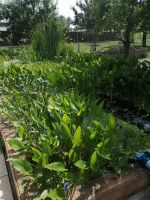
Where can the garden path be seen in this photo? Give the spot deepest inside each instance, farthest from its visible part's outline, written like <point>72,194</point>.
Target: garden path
<point>5,189</point>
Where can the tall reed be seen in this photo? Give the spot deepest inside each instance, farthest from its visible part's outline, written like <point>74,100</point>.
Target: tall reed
<point>47,39</point>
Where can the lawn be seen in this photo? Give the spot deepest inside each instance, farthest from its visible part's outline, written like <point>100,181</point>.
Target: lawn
<point>101,46</point>
<point>85,46</point>
<point>138,39</point>
<point>105,45</point>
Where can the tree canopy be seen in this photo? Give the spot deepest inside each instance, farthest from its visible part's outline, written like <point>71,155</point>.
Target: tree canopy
<point>23,15</point>
<point>123,17</point>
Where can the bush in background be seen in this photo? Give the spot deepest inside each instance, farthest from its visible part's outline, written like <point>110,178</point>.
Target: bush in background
<point>47,39</point>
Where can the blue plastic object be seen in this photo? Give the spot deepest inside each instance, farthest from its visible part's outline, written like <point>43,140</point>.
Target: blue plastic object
<point>144,158</point>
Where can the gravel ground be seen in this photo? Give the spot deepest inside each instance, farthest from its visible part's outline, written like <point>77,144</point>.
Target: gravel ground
<point>143,195</point>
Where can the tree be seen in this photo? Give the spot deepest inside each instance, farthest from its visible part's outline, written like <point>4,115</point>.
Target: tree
<point>66,24</point>
<point>125,17</point>
<point>85,18</point>
<point>89,15</point>
<point>125,20</point>
<point>122,16</point>
<point>24,15</point>
<point>144,16</point>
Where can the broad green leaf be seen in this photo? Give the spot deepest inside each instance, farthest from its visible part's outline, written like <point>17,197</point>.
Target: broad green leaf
<point>43,196</point>
<point>68,176</point>
<point>66,103</point>
<point>81,164</point>
<point>16,144</point>
<point>98,125</point>
<point>73,154</point>
<point>66,119</point>
<point>93,133</point>
<point>101,154</point>
<point>37,152</point>
<point>77,139</point>
<point>37,155</point>
<point>103,143</point>
<point>46,148</point>
<point>44,159</point>
<point>112,124</point>
<point>22,166</point>
<point>66,128</point>
<point>56,166</point>
<point>81,110</point>
<point>57,194</point>
<point>75,69</point>
<point>93,160</point>
<point>21,131</point>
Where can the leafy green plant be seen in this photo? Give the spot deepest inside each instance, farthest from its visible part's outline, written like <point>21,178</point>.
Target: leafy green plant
<point>26,54</point>
<point>46,39</point>
<point>67,139</point>
<point>65,136</point>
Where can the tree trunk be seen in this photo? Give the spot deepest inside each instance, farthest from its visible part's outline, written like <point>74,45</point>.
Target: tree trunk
<point>127,41</point>
<point>126,44</point>
<point>93,43</point>
<point>144,39</point>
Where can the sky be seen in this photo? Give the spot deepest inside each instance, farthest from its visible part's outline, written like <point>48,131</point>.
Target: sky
<point>64,7</point>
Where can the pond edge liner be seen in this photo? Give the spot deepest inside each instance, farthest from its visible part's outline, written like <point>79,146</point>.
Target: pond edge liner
<point>11,176</point>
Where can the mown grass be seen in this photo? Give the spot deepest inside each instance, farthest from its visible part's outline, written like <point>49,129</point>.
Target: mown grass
<point>105,45</point>
<point>101,46</point>
<point>86,46</point>
<point>138,39</point>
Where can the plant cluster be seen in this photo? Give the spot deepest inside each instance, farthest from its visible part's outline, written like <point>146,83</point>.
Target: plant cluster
<point>46,39</point>
<point>67,138</point>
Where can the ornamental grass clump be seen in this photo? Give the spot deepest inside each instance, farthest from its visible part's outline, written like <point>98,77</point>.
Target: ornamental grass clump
<point>47,39</point>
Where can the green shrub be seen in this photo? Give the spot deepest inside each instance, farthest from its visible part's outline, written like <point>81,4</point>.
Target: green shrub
<point>46,39</point>
<point>26,54</point>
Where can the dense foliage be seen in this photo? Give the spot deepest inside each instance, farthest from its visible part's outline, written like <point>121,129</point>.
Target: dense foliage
<point>22,16</point>
<point>47,39</point>
<point>122,17</point>
<point>66,137</point>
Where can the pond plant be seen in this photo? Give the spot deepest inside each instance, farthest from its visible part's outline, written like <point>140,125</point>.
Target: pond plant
<point>66,136</point>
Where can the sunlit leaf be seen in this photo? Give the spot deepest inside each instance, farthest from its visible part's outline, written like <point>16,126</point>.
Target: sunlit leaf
<point>22,166</point>
<point>93,160</point>
<point>16,144</point>
<point>112,124</point>
<point>56,166</point>
<point>77,139</point>
<point>81,164</point>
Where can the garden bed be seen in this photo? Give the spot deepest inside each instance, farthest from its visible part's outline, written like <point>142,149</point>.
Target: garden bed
<point>19,193</point>
<point>111,186</point>
<point>115,187</point>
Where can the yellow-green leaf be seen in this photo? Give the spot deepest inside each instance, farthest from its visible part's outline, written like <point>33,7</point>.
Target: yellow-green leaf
<point>77,139</point>
<point>56,166</point>
<point>93,160</point>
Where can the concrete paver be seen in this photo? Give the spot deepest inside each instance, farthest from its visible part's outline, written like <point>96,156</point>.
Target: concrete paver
<point>5,189</point>
<point>1,157</point>
<point>3,170</point>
